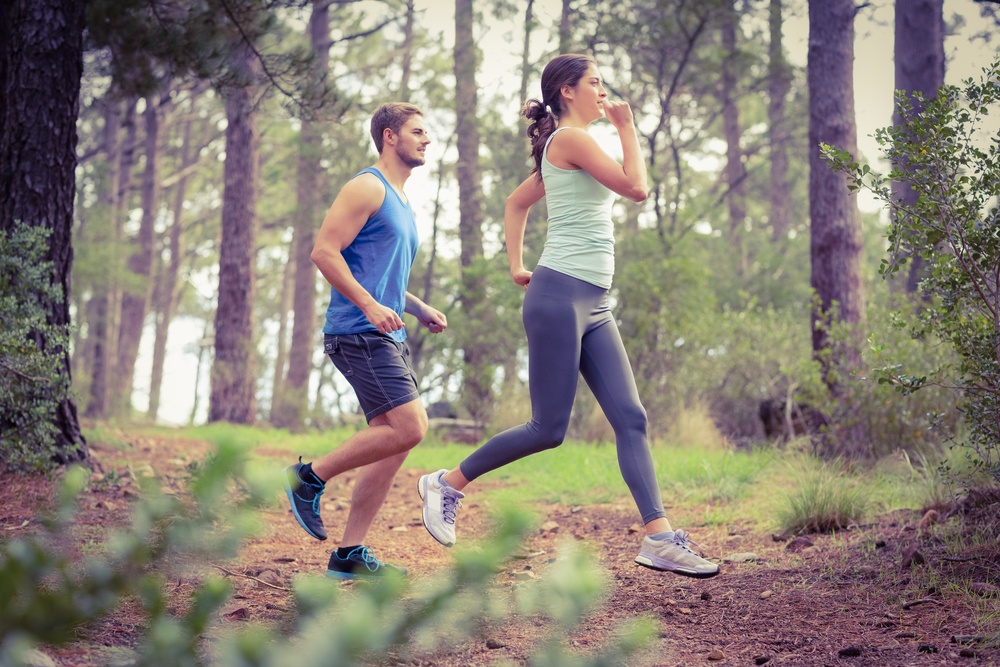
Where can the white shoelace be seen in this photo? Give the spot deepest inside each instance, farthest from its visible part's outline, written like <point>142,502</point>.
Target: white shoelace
<point>449,505</point>
<point>682,540</point>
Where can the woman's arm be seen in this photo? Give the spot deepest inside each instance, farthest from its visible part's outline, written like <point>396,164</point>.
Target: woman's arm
<point>515,218</point>
<point>580,150</point>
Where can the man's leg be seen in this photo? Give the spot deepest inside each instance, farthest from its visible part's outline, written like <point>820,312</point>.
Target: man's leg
<point>388,435</point>
<point>353,558</point>
<point>370,491</point>
<point>379,370</point>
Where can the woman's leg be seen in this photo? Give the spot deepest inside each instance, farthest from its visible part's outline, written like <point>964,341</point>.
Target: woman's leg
<point>606,369</point>
<point>553,325</point>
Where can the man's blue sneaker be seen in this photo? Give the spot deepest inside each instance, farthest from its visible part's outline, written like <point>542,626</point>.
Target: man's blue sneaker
<point>304,497</point>
<point>360,563</point>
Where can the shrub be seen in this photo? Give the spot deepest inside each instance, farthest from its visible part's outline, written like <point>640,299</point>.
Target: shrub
<point>950,157</point>
<point>32,382</point>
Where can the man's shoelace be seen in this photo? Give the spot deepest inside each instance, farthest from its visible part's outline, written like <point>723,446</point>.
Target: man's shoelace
<point>367,557</point>
<point>316,501</point>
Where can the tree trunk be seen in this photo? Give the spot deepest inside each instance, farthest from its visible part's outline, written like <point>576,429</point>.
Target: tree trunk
<point>281,342</point>
<point>203,346</point>
<point>778,83</point>
<point>529,26</point>
<point>835,242</point>
<point>565,28</point>
<point>418,338</point>
<point>407,64</point>
<point>102,232</point>
<point>477,392</point>
<point>41,62</point>
<point>166,305</point>
<point>233,378</point>
<point>735,171</point>
<point>920,63</point>
<point>137,290</point>
<point>294,398</point>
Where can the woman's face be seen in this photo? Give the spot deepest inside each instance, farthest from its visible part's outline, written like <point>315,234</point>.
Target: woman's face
<point>589,94</point>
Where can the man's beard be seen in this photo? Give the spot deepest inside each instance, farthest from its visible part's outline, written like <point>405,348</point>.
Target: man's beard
<point>411,160</point>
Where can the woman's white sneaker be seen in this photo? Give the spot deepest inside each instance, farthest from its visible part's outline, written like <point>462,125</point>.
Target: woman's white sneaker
<point>441,502</point>
<point>674,555</point>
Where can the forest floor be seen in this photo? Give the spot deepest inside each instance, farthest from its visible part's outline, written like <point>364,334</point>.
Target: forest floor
<point>885,594</point>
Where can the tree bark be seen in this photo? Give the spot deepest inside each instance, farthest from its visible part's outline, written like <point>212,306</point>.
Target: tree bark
<point>778,85</point>
<point>41,62</point>
<point>920,63</point>
<point>232,396</point>
<point>138,288</point>
<point>529,26</point>
<point>166,305</point>
<point>407,55</point>
<point>735,172</point>
<point>477,392</point>
<point>294,398</point>
<point>281,343</point>
<point>100,311</point>
<point>835,241</point>
<point>565,28</point>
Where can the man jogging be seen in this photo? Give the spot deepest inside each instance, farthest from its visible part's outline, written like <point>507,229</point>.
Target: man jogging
<point>365,249</point>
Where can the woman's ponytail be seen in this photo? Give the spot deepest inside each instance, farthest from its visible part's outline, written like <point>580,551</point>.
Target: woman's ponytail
<point>542,123</point>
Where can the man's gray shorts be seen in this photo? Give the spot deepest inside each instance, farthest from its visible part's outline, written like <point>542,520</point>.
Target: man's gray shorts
<point>377,367</point>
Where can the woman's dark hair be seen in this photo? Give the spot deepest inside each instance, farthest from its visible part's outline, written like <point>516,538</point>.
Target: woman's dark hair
<point>564,70</point>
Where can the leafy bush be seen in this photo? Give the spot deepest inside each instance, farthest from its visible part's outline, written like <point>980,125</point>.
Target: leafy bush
<point>32,382</point>
<point>950,157</point>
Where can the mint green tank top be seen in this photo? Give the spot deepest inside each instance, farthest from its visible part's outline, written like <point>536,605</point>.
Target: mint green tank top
<point>581,237</point>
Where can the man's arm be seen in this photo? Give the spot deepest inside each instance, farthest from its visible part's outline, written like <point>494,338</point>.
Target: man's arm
<point>433,319</point>
<point>358,200</point>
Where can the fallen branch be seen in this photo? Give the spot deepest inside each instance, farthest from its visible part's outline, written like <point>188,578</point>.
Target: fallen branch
<point>914,603</point>
<point>247,576</point>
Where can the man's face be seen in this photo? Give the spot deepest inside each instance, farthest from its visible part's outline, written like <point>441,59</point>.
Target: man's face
<point>412,142</point>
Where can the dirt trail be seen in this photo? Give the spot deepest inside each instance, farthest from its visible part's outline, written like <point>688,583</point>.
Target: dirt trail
<point>844,600</point>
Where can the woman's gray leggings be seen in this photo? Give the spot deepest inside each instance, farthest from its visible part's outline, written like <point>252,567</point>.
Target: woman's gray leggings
<point>570,332</point>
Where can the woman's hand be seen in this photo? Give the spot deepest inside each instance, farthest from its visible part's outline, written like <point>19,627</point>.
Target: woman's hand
<point>619,113</point>
<point>522,277</point>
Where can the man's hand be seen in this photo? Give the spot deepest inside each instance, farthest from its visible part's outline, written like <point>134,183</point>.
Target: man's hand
<point>385,320</point>
<point>433,319</point>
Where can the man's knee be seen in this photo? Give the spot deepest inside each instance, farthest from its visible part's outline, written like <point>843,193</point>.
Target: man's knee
<point>413,433</point>
<point>410,425</point>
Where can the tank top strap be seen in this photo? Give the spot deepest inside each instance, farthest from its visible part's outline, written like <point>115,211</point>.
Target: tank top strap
<point>388,188</point>
<point>545,151</point>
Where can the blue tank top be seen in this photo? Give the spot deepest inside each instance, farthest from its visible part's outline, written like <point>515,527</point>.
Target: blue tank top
<point>379,258</point>
<point>581,235</point>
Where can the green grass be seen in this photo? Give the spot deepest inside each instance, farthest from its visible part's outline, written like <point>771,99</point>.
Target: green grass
<point>829,496</point>
<point>710,485</point>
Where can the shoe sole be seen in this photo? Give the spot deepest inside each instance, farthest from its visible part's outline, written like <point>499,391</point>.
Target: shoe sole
<point>423,513</point>
<point>295,512</point>
<point>667,566</point>
<point>350,576</point>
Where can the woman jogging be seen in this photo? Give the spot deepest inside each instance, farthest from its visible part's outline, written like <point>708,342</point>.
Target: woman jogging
<point>567,319</point>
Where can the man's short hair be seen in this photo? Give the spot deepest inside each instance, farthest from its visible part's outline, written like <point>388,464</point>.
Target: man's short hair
<point>392,115</point>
